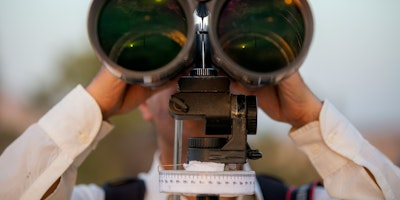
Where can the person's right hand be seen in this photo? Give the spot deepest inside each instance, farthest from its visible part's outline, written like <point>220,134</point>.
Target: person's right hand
<point>114,96</point>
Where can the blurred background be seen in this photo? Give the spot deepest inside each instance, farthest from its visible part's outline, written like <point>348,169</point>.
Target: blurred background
<point>354,62</point>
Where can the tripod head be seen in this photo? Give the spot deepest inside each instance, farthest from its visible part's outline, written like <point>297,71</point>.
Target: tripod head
<point>232,116</point>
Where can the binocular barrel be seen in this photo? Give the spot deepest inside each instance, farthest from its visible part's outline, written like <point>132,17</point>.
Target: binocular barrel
<point>148,42</point>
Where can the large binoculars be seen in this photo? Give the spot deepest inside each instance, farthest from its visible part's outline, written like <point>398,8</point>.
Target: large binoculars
<point>148,42</point>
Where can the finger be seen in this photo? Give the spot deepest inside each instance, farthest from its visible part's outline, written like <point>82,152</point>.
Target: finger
<point>133,97</point>
<point>106,89</point>
<point>136,95</point>
<point>269,101</point>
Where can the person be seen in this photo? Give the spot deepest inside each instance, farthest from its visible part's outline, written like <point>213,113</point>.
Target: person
<point>42,163</point>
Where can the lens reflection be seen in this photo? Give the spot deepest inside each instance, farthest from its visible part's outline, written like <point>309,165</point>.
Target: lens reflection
<point>142,35</point>
<point>259,35</point>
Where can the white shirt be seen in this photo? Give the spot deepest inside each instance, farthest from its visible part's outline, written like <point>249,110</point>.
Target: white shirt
<point>60,141</point>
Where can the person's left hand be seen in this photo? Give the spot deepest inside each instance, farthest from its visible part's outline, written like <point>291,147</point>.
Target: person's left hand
<point>290,101</point>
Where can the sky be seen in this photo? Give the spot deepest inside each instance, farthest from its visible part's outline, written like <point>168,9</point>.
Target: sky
<point>353,61</point>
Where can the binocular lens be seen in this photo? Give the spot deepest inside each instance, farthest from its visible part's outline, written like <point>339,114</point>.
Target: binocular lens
<point>141,35</point>
<point>261,36</point>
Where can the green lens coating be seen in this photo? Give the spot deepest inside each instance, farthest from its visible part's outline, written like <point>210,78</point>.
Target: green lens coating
<point>142,35</point>
<point>261,35</point>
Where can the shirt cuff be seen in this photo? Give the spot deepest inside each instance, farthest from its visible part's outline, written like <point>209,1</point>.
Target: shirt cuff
<point>334,130</point>
<point>338,133</point>
<point>337,151</point>
<point>332,133</point>
<point>75,123</point>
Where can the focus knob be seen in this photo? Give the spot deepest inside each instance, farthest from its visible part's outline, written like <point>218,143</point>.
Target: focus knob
<point>251,102</point>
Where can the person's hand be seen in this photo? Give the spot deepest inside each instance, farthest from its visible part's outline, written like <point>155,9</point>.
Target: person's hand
<point>290,101</point>
<point>114,96</point>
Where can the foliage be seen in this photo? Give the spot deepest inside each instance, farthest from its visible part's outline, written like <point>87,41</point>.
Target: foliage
<point>75,67</point>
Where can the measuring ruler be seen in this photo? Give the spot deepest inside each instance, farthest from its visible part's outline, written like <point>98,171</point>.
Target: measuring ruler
<point>209,182</point>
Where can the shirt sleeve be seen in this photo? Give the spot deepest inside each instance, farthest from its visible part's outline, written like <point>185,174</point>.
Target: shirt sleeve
<point>345,160</point>
<point>52,149</point>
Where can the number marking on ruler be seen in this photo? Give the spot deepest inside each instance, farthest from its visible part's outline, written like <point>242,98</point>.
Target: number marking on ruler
<point>194,182</point>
